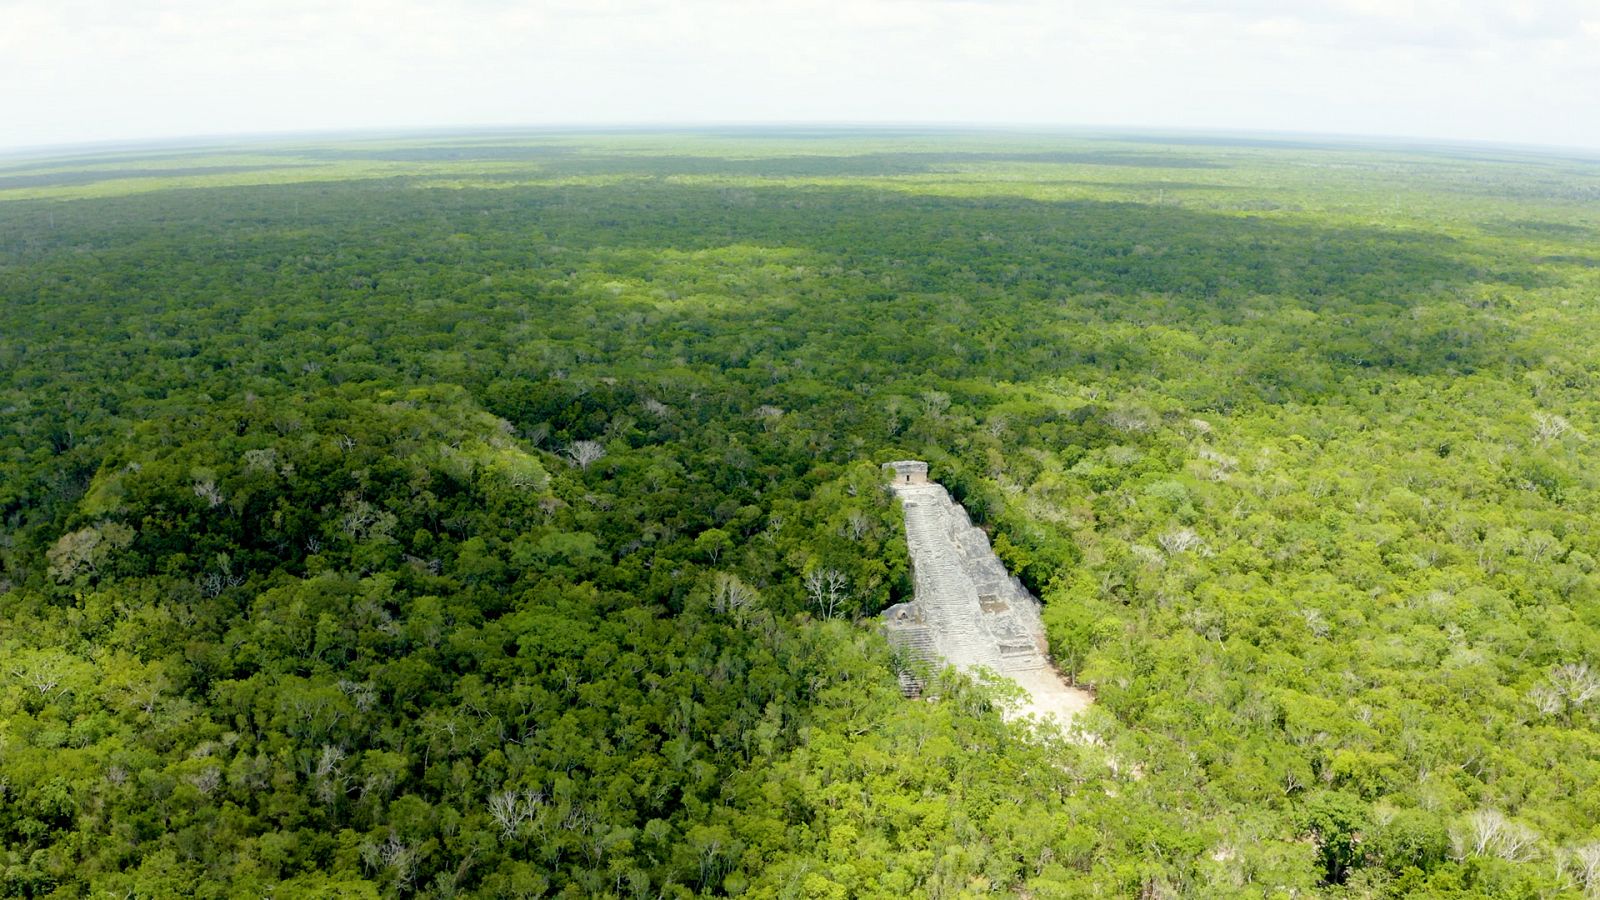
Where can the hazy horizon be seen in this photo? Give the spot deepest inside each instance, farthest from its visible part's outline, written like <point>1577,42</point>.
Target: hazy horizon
<point>90,71</point>
<point>184,143</point>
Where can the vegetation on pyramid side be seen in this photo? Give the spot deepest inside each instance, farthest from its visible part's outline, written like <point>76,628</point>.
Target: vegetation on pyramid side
<point>503,517</point>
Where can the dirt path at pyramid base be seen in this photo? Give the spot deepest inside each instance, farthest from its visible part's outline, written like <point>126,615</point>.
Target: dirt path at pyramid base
<point>1049,697</point>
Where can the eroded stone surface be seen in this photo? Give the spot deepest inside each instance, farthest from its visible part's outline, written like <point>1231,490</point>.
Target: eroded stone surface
<point>969,611</point>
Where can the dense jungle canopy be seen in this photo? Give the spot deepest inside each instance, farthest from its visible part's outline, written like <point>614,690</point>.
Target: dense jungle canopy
<point>433,516</point>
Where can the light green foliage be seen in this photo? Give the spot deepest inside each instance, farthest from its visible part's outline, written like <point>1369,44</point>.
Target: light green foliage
<point>502,517</point>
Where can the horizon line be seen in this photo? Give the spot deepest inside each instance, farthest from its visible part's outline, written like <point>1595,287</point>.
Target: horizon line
<point>199,141</point>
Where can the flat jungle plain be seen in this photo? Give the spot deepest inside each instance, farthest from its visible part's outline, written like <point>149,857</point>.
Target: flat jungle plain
<point>500,515</point>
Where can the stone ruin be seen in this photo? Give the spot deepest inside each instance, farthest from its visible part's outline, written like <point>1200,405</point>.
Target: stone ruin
<point>968,611</point>
<point>907,471</point>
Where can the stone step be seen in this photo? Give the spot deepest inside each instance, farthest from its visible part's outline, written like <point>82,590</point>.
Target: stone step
<point>911,686</point>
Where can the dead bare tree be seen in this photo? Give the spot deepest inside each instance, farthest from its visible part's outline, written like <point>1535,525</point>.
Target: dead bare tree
<point>1566,690</point>
<point>827,589</point>
<point>329,775</point>
<point>85,550</point>
<point>510,809</point>
<point>206,489</point>
<point>1179,540</point>
<point>43,672</point>
<point>395,856</point>
<point>1488,832</point>
<point>585,453</point>
<point>731,595</point>
<point>1576,682</point>
<point>1583,865</point>
<point>1548,427</point>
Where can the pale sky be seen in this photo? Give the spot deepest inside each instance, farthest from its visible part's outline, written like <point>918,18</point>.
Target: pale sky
<point>1517,71</point>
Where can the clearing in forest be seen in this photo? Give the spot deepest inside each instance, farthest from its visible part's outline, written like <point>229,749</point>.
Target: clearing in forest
<point>969,612</point>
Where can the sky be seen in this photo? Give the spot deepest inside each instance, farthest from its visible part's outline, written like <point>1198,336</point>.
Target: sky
<point>1506,71</point>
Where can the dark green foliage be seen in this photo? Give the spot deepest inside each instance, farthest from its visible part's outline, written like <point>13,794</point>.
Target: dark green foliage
<point>1336,822</point>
